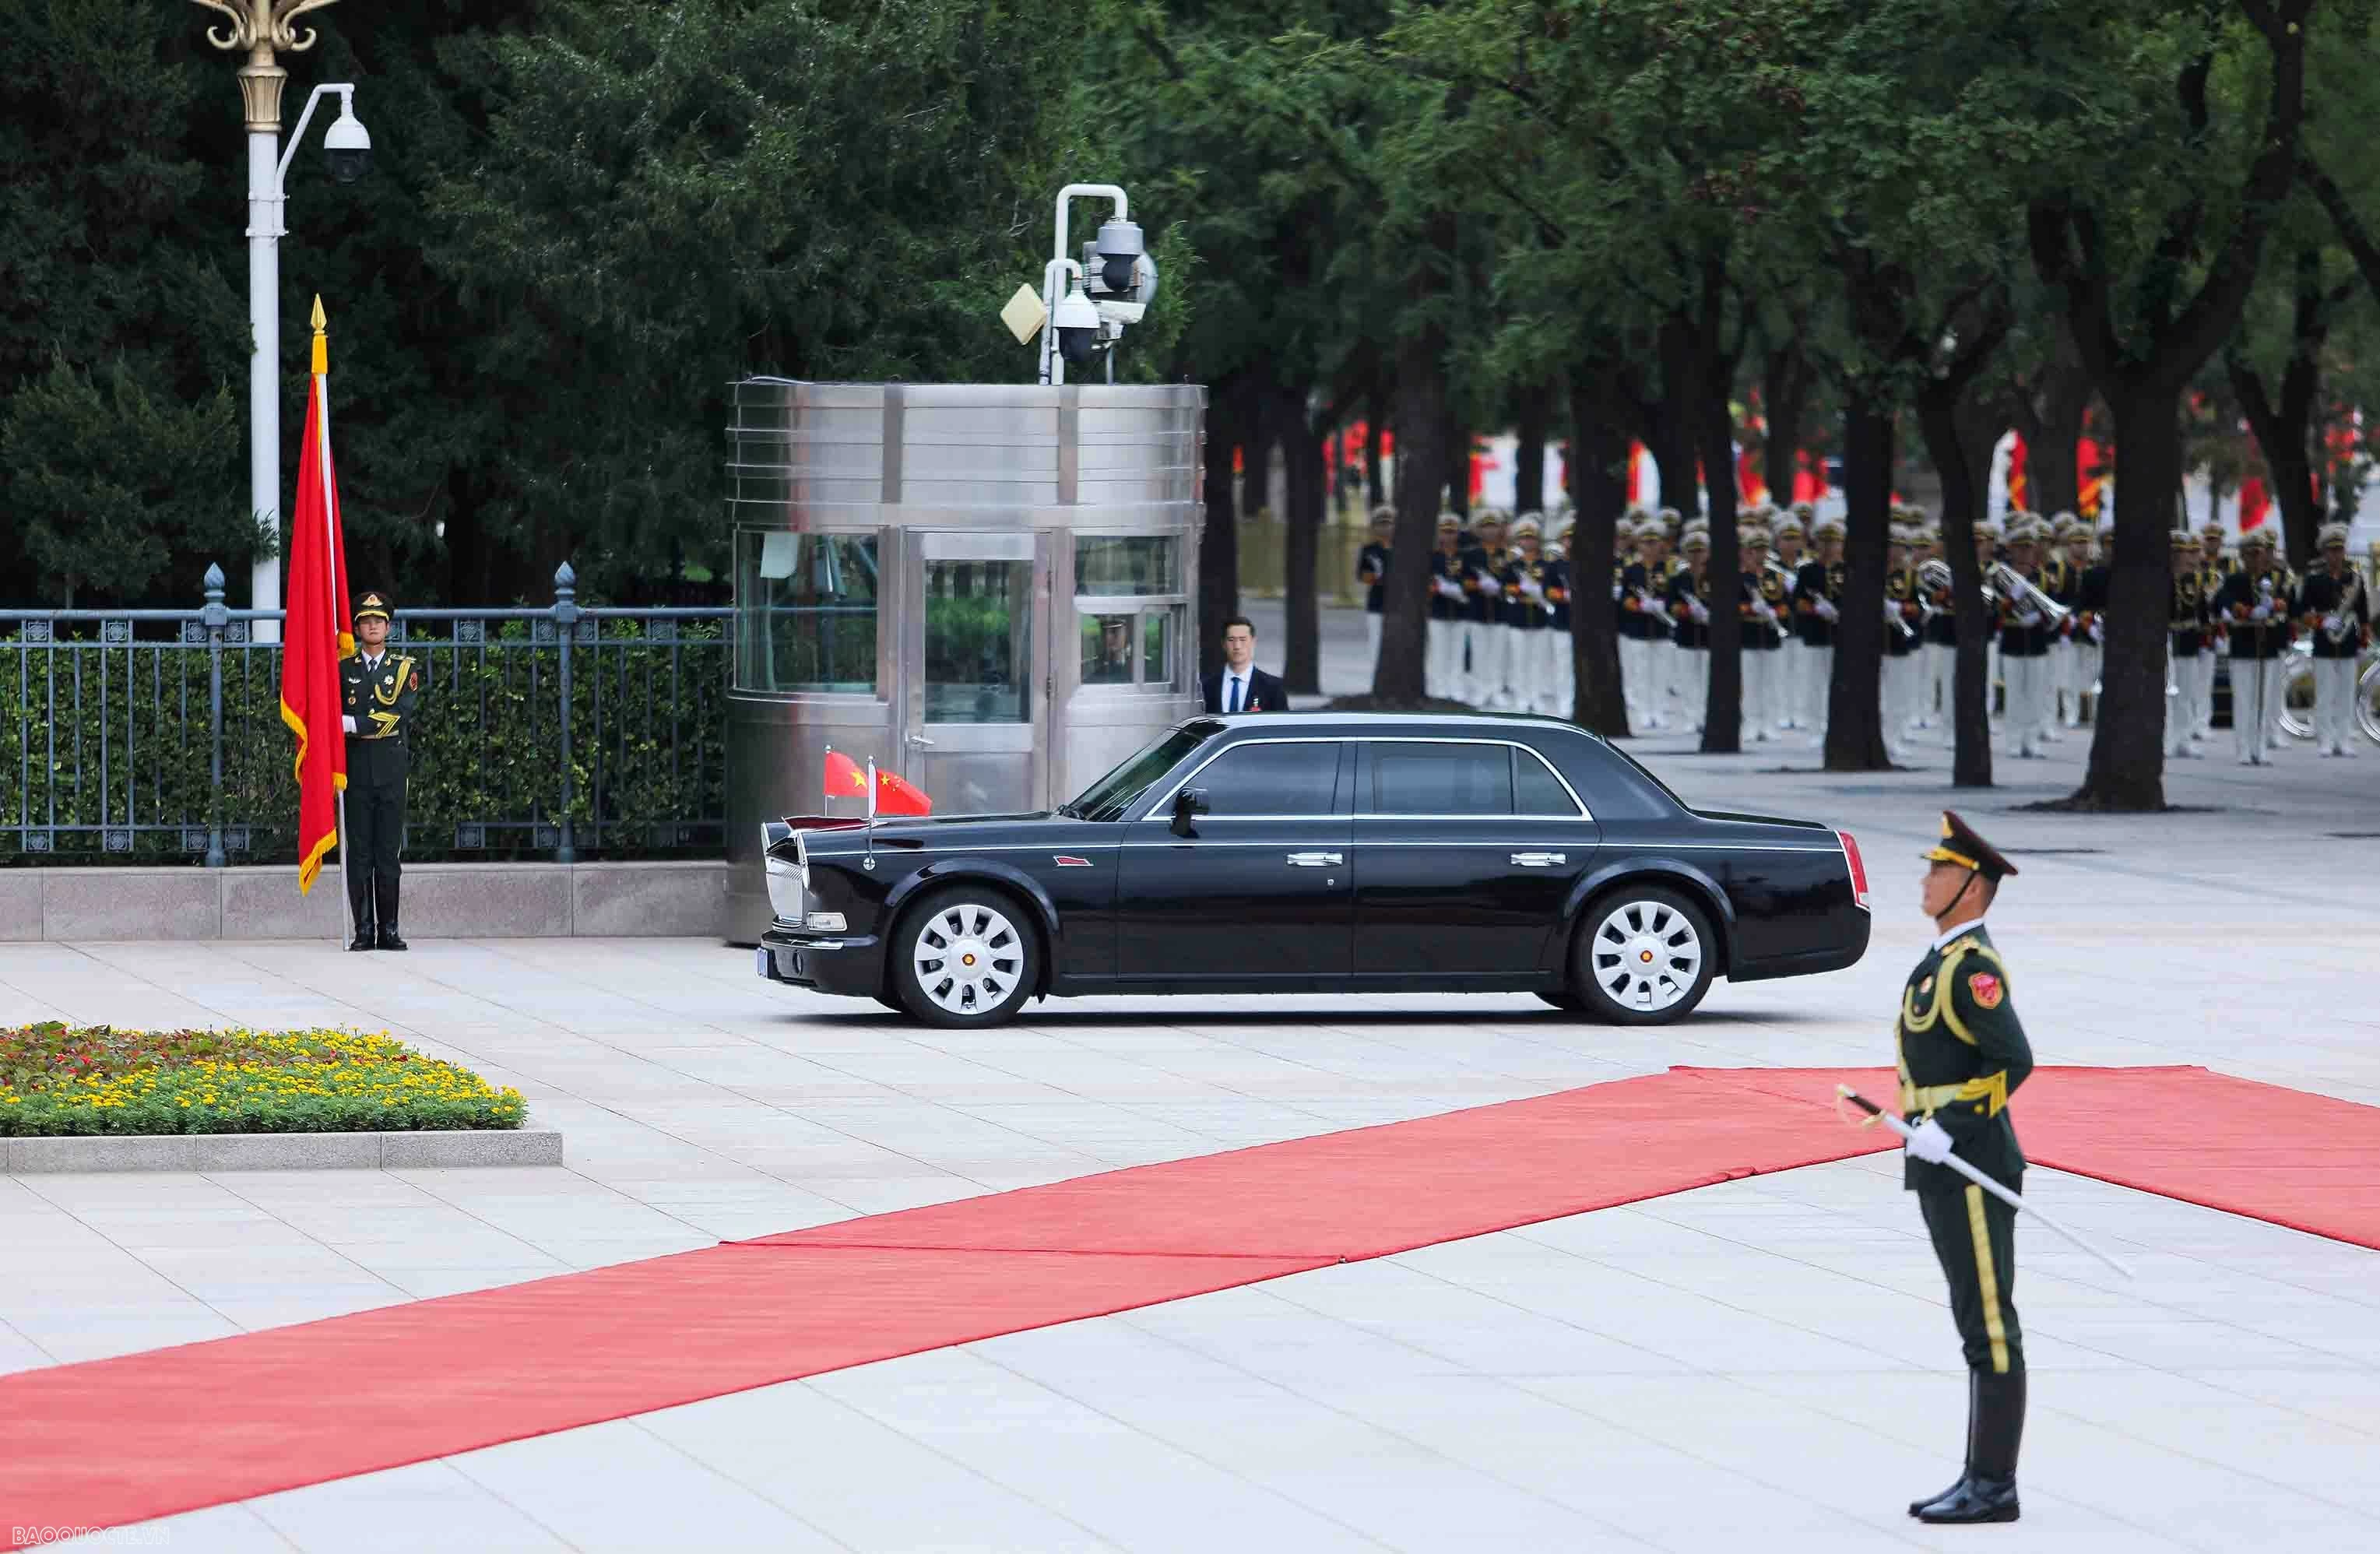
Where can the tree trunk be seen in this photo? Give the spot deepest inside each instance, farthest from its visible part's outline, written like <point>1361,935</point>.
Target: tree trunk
<point>2050,416</point>
<point>1785,397</point>
<point>1599,446</point>
<point>1308,495</point>
<point>1669,432</point>
<point>2127,770</point>
<point>1219,540</point>
<point>1421,420</point>
<point>1712,375</point>
<point>1855,700</point>
<point>1458,467</point>
<point>1535,409</point>
<point>2284,426</point>
<point>1966,473</point>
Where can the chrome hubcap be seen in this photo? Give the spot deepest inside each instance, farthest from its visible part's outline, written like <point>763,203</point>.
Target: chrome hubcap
<point>968,957</point>
<point>1645,955</point>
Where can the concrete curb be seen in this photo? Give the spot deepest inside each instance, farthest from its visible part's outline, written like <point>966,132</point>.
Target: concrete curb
<point>283,1151</point>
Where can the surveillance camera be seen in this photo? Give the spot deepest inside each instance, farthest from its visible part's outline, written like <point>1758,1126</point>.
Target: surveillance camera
<point>1077,324</point>
<point>1120,250</point>
<point>346,146</point>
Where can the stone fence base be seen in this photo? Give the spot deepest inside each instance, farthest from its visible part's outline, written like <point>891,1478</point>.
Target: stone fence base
<point>441,900</point>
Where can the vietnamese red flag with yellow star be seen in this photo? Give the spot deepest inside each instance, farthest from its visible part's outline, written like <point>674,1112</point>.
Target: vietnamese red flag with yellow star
<point>315,632</point>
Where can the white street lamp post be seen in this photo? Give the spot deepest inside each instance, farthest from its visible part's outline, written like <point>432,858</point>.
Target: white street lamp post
<point>262,29</point>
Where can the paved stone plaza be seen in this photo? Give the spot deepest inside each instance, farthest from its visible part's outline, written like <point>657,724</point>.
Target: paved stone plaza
<point>1766,1363</point>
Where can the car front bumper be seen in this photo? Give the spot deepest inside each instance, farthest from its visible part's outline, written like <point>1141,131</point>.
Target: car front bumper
<point>848,963</point>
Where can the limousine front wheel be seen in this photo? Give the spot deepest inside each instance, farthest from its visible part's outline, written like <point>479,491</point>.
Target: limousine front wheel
<point>1645,957</point>
<point>964,957</point>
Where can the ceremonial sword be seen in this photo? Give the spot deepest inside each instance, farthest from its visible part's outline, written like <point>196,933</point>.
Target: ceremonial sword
<point>1977,1177</point>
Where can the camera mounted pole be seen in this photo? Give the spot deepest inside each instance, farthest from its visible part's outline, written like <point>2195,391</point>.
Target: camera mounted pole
<point>1053,363</point>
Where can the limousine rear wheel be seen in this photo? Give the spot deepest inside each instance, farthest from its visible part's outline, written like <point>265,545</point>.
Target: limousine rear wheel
<point>965,957</point>
<point>1645,956</point>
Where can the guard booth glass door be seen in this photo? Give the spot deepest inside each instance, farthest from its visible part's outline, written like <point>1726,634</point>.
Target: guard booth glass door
<point>974,711</point>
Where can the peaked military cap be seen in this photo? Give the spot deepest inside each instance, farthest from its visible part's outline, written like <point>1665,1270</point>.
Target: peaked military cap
<point>371,604</point>
<point>1960,846</point>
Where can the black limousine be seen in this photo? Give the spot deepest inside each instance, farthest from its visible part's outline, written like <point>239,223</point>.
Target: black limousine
<point>1326,852</point>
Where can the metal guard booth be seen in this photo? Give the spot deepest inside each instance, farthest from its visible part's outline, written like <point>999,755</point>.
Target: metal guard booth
<point>987,588</point>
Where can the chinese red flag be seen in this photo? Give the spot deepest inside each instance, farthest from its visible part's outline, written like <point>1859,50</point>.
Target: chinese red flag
<point>896,797</point>
<point>844,778</point>
<point>315,634</point>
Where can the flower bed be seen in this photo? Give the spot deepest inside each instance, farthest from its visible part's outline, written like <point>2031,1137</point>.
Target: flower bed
<point>83,1080</point>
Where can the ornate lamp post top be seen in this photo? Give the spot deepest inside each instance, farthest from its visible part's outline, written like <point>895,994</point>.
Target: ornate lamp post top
<point>262,27</point>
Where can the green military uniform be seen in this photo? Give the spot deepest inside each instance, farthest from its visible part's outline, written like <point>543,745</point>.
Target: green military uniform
<point>377,698</point>
<point>1961,1053</point>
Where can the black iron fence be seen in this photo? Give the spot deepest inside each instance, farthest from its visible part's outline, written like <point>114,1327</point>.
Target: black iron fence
<point>562,732</point>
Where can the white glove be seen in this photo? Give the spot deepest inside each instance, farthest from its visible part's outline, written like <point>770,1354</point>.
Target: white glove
<point>1701,612</point>
<point>1930,1142</point>
<point>1615,593</point>
<point>2028,618</point>
<point>1533,590</point>
<point>2261,612</point>
<point>1767,612</point>
<point>349,721</point>
<point>1826,611</point>
<point>2331,623</point>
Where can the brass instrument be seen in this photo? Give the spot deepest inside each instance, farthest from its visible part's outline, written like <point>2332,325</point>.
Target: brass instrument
<point>2022,592</point>
<point>1935,577</point>
<point>2349,593</point>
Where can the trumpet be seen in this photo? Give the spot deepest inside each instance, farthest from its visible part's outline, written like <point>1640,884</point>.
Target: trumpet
<point>1934,577</point>
<point>2021,591</point>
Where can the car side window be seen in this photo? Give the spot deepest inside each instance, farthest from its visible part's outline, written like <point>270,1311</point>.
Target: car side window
<point>1412,778</point>
<point>1292,778</point>
<point>1537,791</point>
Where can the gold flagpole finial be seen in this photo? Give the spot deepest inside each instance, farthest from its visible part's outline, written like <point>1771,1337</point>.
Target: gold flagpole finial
<point>321,340</point>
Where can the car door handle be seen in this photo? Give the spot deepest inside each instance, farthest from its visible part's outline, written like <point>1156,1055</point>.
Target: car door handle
<point>921,741</point>
<point>1539,860</point>
<point>1316,860</point>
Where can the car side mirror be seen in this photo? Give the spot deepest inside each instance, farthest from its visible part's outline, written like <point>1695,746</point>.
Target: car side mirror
<point>1189,804</point>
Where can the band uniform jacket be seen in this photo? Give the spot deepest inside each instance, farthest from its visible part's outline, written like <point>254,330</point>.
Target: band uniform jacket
<point>2021,641</point>
<point>1520,611</point>
<point>2211,577</point>
<point>1900,587</point>
<point>1558,592</point>
<point>1483,586</point>
<point>1763,586</point>
<point>2186,614</point>
<point>380,703</point>
<point>1815,581</point>
<point>1372,571</point>
<point>1961,1053</point>
<point>1449,567</point>
<point>2242,592</point>
<point>1685,586</point>
<point>1942,623</point>
<point>2319,595</point>
<point>1638,619</point>
<point>2090,600</point>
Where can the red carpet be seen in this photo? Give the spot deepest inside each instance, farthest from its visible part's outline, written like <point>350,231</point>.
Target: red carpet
<point>120,1441</point>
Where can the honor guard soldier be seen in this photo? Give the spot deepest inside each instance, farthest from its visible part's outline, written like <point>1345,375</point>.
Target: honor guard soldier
<point>1962,1054</point>
<point>2186,607</point>
<point>1764,596</point>
<point>2214,566</point>
<point>2091,611</point>
<point>2254,605</point>
<point>1643,623</point>
<point>378,692</point>
<point>1903,663</point>
<point>1690,607</point>
<point>1372,574</point>
<point>1448,606</point>
<point>2061,580</point>
<point>1940,698</point>
<point>2334,608</point>
<point>1526,613</point>
<point>1804,691</point>
<point>1483,624</point>
<point>2024,645</point>
<point>1818,606</point>
<point>1564,695</point>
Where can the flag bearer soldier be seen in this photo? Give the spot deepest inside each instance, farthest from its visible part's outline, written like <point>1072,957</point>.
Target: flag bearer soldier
<point>1962,1054</point>
<point>1643,623</point>
<point>2061,580</point>
<point>2214,566</point>
<point>1803,706</point>
<point>1372,574</point>
<point>1564,695</point>
<point>2255,603</point>
<point>2186,628</point>
<point>1690,607</point>
<point>2334,608</point>
<point>1448,608</point>
<point>378,692</point>
<point>2025,648</point>
<point>1903,661</point>
<point>1818,606</point>
<point>1763,599</point>
<point>1483,624</point>
<point>1528,612</point>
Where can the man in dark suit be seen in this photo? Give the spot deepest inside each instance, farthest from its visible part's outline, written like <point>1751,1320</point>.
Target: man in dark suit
<point>1240,686</point>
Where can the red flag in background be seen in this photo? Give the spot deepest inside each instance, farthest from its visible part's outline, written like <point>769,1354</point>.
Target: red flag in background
<point>315,634</point>
<point>896,797</point>
<point>843,779</point>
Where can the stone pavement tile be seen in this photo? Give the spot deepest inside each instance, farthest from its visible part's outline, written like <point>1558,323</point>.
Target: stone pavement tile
<point>876,1490</point>
<point>220,1529</point>
<point>2188,1415</point>
<point>1468,1330</point>
<point>1124,1484</point>
<point>98,1331</point>
<point>2347,1398</point>
<point>429,1283</point>
<point>402,1511</point>
<point>19,1352</point>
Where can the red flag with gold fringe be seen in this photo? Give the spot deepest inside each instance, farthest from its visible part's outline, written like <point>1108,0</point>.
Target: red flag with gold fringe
<point>315,632</point>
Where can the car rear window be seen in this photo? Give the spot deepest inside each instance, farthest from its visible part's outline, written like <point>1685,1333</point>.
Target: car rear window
<point>1412,778</point>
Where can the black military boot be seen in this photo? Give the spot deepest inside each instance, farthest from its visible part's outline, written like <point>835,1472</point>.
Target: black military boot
<point>1920,1503</point>
<point>365,939</point>
<point>1988,1492</point>
<point>388,938</point>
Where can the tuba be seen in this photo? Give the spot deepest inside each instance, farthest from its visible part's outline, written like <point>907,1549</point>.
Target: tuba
<point>2021,591</point>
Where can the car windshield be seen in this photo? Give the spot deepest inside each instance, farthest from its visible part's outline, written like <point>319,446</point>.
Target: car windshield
<point>1108,799</point>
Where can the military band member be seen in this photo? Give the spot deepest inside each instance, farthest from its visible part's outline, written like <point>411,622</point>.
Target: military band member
<point>1448,606</point>
<point>2335,610</point>
<point>2214,566</point>
<point>2254,605</point>
<point>1802,691</point>
<point>377,693</point>
<point>1903,656</point>
<point>1817,606</point>
<point>2186,614</point>
<point>1690,607</point>
<point>1483,624</point>
<point>2024,646</point>
<point>1643,623</point>
<point>1939,697</point>
<point>1561,650</point>
<point>1763,601</point>
<point>2061,580</point>
<point>2091,611</point>
<point>1526,613</point>
<point>1372,574</point>
<point>1962,1054</point>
